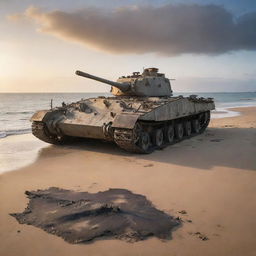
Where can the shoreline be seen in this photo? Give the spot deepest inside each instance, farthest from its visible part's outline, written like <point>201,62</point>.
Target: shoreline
<point>18,151</point>
<point>210,176</point>
<point>226,112</point>
<point>26,155</point>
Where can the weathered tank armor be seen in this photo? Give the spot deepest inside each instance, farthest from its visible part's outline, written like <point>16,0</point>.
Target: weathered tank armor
<point>141,117</point>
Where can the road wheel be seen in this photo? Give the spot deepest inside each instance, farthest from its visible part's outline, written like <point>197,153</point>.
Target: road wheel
<point>196,126</point>
<point>169,134</point>
<point>158,138</point>
<point>179,131</point>
<point>188,128</point>
<point>144,142</point>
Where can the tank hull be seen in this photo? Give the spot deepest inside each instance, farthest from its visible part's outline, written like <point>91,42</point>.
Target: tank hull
<point>107,118</point>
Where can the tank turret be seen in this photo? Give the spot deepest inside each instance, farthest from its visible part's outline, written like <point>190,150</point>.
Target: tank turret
<point>148,84</point>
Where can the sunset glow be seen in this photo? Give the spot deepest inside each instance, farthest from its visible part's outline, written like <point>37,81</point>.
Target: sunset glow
<point>42,45</point>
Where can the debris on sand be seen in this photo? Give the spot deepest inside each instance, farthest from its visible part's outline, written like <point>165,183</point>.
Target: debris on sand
<point>148,165</point>
<point>200,236</point>
<point>79,217</point>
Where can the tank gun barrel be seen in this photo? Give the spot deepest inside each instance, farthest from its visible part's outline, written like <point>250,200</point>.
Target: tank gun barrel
<point>121,86</point>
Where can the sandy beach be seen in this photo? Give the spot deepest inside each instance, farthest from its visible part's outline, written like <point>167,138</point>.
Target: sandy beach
<point>211,176</point>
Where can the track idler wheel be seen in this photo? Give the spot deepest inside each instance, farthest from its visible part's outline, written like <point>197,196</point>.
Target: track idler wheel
<point>39,130</point>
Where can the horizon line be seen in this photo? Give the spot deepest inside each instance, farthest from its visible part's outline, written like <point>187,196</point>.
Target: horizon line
<point>110,92</point>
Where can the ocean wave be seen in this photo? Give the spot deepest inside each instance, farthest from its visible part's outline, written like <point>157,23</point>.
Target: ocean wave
<point>223,113</point>
<point>247,99</point>
<point>4,134</point>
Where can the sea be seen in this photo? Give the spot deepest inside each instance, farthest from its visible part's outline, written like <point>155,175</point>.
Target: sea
<point>16,109</point>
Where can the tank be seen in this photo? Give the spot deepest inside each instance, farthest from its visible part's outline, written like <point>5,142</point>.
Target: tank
<point>140,117</point>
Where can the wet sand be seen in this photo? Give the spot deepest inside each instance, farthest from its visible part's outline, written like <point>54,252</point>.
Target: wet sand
<point>209,180</point>
<point>17,151</point>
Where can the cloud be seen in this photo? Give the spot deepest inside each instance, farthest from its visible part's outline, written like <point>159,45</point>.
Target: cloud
<point>166,30</point>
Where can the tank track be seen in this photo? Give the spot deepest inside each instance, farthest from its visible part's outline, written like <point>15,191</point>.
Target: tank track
<point>126,139</point>
<point>40,131</point>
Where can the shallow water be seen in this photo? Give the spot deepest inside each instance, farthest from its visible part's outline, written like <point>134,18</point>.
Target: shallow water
<point>19,151</point>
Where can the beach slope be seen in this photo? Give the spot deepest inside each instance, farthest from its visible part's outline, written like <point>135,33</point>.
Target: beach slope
<point>208,181</point>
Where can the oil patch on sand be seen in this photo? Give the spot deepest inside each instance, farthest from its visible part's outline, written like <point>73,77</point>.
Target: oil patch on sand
<point>80,217</point>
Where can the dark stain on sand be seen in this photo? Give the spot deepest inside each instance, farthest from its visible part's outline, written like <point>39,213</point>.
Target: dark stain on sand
<point>148,165</point>
<point>81,217</point>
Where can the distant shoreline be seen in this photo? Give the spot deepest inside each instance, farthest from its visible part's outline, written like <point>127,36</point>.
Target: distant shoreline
<point>176,92</point>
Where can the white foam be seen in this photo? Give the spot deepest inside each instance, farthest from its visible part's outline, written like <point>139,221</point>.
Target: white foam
<point>224,110</point>
<point>19,151</point>
<point>223,113</point>
<point>4,134</point>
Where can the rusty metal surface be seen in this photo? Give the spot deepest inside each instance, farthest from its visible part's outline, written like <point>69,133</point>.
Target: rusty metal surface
<point>39,115</point>
<point>125,120</point>
<point>144,98</point>
<point>87,118</point>
<point>177,109</point>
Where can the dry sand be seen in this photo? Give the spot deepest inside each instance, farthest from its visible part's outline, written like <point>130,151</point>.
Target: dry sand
<point>211,177</point>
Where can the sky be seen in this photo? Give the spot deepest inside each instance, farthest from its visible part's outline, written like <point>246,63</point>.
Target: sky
<point>206,45</point>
